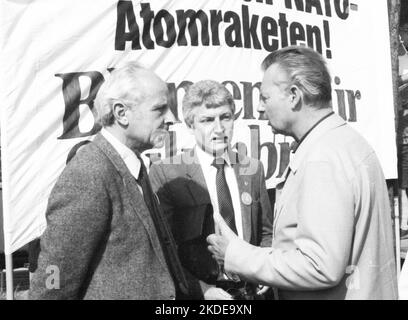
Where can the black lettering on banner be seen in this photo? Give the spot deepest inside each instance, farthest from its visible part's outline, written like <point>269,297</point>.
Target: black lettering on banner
<point>327,38</point>
<point>297,33</point>
<point>269,28</point>
<point>236,94</point>
<point>315,7</point>
<point>249,28</point>
<point>72,98</point>
<point>147,15</point>
<point>283,25</point>
<point>192,16</point>
<point>314,4</point>
<point>241,148</point>
<point>298,3</point>
<point>352,96</point>
<point>314,38</point>
<point>327,8</point>
<point>261,1</point>
<point>126,15</point>
<point>72,93</point>
<point>342,11</point>
<point>233,32</point>
<point>248,90</point>
<point>172,98</point>
<point>242,29</point>
<point>216,19</point>
<point>168,19</point>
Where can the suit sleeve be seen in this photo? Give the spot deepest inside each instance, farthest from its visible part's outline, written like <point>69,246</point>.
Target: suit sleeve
<point>325,212</point>
<point>266,211</point>
<point>78,217</point>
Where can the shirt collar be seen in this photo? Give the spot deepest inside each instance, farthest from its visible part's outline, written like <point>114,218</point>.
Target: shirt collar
<point>128,156</point>
<point>328,123</point>
<point>207,159</point>
<point>297,144</point>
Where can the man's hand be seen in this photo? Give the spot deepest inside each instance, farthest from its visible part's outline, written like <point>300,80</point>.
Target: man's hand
<point>223,229</point>
<point>218,246</point>
<point>217,294</point>
<point>218,243</point>
<point>261,290</point>
<point>213,293</point>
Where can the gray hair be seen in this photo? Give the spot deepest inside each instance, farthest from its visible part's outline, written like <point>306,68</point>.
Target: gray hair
<point>121,87</point>
<point>210,93</point>
<point>307,70</point>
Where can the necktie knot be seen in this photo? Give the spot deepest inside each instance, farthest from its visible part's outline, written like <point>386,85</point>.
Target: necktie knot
<point>218,163</point>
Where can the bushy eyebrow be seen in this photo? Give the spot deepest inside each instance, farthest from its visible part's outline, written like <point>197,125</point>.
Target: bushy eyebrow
<point>160,106</point>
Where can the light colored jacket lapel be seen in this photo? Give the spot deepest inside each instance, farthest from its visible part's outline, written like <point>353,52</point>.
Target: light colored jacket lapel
<point>284,187</point>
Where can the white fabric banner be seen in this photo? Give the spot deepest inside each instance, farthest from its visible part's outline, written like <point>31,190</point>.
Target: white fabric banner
<point>56,54</point>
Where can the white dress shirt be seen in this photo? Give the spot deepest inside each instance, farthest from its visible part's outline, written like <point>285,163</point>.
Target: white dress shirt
<point>210,173</point>
<point>128,156</point>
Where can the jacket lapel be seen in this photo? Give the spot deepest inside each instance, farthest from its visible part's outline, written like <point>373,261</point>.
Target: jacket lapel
<point>282,191</point>
<point>201,194</point>
<point>133,193</point>
<point>244,187</point>
<point>196,184</point>
<point>286,187</point>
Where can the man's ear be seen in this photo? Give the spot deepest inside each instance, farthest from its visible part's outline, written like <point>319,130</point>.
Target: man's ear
<point>119,112</point>
<point>296,97</point>
<point>190,127</point>
<point>190,124</point>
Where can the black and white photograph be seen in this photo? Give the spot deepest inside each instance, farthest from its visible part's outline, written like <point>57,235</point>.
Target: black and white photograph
<point>212,150</point>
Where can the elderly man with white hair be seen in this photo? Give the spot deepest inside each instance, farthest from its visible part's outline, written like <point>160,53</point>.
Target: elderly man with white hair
<point>106,237</point>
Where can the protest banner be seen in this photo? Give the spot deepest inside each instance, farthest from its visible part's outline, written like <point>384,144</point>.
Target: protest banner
<point>55,55</point>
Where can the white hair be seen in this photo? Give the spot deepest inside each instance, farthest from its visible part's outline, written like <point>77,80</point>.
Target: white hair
<point>124,85</point>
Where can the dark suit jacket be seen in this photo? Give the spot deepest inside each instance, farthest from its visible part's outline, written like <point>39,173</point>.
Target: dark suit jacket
<point>182,190</point>
<point>99,234</point>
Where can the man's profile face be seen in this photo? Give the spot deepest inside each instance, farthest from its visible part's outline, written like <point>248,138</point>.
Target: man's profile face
<point>213,128</point>
<point>275,99</point>
<point>149,116</point>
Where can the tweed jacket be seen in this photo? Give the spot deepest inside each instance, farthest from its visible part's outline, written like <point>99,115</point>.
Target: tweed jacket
<point>182,190</point>
<point>100,236</point>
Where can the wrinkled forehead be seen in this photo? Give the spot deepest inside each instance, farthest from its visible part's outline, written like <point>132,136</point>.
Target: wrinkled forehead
<point>212,111</point>
<point>149,87</point>
<point>151,84</point>
<point>275,75</point>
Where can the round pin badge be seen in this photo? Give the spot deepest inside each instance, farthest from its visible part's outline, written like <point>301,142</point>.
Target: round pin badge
<point>246,198</point>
